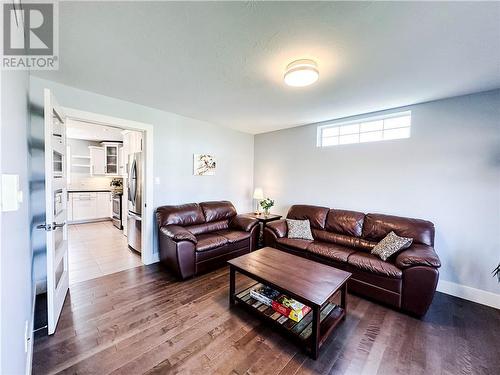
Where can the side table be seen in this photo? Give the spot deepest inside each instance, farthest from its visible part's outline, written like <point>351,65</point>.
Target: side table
<point>263,220</point>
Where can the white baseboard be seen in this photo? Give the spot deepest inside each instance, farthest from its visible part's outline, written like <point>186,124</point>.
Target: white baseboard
<point>472,294</point>
<point>155,258</point>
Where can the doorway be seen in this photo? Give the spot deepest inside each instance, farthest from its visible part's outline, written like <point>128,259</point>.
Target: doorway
<point>103,192</point>
<point>88,228</point>
<point>148,255</point>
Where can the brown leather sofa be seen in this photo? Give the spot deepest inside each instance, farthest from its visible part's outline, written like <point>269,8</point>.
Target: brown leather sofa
<point>344,239</point>
<point>195,238</point>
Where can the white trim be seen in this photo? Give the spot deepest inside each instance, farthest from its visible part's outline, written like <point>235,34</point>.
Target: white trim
<point>31,327</point>
<point>357,120</point>
<point>148,255</point>
<point>156,258</point>
<point>472,294</point>
<point>363,118</point>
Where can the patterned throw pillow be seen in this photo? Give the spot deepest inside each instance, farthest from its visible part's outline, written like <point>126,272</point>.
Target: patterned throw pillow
<point>299,229</point>
<point>390,245</point>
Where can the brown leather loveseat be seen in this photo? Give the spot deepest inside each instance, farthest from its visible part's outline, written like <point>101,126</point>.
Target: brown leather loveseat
<point>195,238</point>
<point>344,240</point>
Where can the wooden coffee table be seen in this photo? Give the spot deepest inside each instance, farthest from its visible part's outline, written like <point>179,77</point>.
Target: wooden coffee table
<point>311,283</point>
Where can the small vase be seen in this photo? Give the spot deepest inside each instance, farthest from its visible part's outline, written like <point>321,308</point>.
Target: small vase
<point>266,211</point>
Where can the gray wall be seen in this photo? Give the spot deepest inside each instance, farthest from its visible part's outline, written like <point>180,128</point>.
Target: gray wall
<point>447,172</point>
<point>176,139</point>
<point>15,254</point>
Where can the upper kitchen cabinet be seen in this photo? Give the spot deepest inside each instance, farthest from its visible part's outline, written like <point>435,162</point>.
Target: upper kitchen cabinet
<point>132,140</point>
<point>97,157</point>
<point>105,160</point>
<point>111,157</point>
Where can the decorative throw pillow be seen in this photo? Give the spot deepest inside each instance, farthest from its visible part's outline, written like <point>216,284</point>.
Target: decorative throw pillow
<point>390,245</point>
<point>299,229</point>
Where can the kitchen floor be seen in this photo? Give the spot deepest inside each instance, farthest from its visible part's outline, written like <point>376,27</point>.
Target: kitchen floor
<point>98,249</point>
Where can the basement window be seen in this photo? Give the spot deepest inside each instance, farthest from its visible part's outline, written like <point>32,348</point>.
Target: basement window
<point>370,129</point>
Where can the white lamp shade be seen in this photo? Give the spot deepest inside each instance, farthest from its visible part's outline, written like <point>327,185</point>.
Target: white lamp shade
<point>258,194</point>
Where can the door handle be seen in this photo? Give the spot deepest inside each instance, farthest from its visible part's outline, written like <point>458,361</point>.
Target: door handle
<point>46,227</point>
<point>55,225</point>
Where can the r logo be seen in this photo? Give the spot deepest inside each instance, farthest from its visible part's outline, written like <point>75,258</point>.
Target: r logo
<point>28,30</point>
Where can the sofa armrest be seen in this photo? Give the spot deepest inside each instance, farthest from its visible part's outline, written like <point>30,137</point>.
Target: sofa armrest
<point>244,223</point>
<point>418,255</point>
<point>278,227</point>
<point>177,233</point>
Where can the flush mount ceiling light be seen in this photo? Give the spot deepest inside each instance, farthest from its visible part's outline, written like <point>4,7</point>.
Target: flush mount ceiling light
<point>301,73</point>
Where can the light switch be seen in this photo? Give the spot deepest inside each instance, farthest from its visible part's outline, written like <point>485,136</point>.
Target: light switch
<point>11,196</point>
<point>157,180</point>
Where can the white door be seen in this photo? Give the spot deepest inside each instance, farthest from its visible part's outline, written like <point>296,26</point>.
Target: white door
<point>56,204</point>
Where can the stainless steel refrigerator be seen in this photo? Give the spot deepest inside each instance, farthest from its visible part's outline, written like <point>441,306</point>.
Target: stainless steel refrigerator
<point>135,190</point>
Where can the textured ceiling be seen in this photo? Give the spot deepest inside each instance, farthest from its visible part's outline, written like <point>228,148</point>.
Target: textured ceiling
<point>223,62</point>
<point>92,132</point>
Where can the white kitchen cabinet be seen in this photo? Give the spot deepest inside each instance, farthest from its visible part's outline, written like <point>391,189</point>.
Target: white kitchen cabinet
<point>104,205</point>
<point>133,141</point>
<point>97,165</point>
<point>84,206</point>
<point>69,208</point>
<point>110,158</point>
<point>89,206</point>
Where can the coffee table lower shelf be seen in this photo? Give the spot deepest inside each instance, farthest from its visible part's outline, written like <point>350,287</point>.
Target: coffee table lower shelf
<point>301,332</point>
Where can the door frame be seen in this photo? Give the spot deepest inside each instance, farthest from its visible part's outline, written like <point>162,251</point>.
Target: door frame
<point>148,254</point>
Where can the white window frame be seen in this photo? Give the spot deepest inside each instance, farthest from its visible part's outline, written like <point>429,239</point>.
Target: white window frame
<point>359,121</point>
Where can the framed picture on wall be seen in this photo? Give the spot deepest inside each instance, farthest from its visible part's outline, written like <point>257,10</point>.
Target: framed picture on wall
<point>204,165</point>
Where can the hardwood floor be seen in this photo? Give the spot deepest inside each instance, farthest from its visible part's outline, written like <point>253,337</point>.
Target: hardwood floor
<point>142,320</point>
<point>98,249</point>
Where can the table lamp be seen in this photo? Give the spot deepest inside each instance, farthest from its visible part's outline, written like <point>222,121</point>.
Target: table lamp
<point>258,195</point>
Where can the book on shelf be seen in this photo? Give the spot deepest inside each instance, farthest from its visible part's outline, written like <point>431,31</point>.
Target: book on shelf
<point>290,308</point>
<point>301,327</point>
<point>264,294</point>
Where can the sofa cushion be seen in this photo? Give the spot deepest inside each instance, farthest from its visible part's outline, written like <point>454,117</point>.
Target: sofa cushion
<point>208,227</point>
<point>377,226</point>
<point>233,235</point>
<point>218,210</point>
<point>210,241</point>
<point>299,229</point>
<point>345,222</point>
<point>315,214</point>
<point>343,240</point>
<point>372,263</point>
<point>331,251</point>
<point>183,215</point>
<point>294,243</point>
